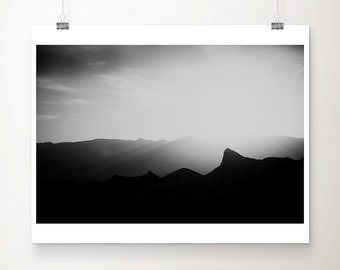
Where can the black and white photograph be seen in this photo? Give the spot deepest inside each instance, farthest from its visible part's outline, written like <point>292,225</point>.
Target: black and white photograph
<point>170,133</point>
<point>186,135</point>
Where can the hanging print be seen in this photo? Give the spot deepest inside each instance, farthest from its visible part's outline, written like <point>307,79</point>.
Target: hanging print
<point>152,134</point>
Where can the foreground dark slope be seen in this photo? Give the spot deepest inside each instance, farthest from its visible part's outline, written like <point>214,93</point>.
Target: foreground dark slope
<point>240,190</point>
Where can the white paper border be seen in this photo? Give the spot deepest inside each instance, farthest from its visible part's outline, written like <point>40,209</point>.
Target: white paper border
<point>172,233</point>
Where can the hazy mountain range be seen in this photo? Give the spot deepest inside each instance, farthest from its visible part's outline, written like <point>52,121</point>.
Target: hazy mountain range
<point>99,159</point>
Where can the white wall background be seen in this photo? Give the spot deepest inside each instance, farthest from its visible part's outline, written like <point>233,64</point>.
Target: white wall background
<point>16,251</point>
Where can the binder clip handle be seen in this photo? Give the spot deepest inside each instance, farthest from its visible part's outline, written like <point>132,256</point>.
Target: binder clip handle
<point>277,25</point>
<point>62,25</point>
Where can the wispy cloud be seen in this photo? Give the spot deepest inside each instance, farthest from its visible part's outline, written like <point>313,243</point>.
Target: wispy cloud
<point>76,101</point>
<point>47,117</point>
<point>53,85</point>
<point>50,117</point>
<point>114,79</point>
<point>99,63</point>
<point>115,82</point>
<point>69,102</point>
<point>125,78</point>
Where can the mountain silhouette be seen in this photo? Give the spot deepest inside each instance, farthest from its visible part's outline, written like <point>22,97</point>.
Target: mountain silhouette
<point>231,156</point>
<point>239,190</point>
<point>99,159</point>
<point>182,175</point>
<point>149,177</point>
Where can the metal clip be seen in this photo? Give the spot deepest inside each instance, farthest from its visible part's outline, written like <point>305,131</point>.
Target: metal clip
<point>277,25</point>
<point>62,25</point>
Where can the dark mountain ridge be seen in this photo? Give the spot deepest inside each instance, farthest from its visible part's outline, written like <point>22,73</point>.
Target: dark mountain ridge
<point>239,190</point>
<point>99,159</point>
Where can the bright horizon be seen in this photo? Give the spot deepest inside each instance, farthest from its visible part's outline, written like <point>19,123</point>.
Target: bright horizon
<point>179,138</point>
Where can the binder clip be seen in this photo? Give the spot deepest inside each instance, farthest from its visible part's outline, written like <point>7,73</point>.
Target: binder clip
<point>62,25</point>
<point>277,25</point>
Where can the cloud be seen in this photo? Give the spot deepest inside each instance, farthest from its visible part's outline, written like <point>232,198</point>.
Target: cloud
<point>115,83</point>
<point>99,63</point>
<point>125,78</point>
<point>69,102</point>
<point>114,79</point>
<point>53,85</point>
<point>63,117</point>
<point>76,101</point>
<point>47,117</point>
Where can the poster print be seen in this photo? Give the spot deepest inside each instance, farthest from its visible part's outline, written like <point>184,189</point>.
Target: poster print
<point>167,135</point>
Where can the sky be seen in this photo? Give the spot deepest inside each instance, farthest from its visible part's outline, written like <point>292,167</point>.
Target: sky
<point>168,92</point>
